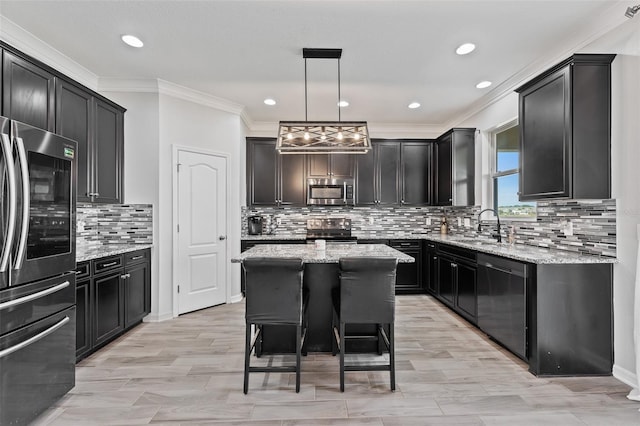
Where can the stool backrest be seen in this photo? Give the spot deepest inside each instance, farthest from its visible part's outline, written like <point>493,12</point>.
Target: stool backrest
<point>273,290</point>
<point>367,289</point>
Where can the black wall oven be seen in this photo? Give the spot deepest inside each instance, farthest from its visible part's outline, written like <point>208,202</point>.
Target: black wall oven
<point>37,260</point>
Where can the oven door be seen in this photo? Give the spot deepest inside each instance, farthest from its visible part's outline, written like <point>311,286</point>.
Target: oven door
<point>45,175</point>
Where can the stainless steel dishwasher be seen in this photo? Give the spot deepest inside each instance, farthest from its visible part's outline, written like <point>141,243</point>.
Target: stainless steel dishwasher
<point>502,313</point>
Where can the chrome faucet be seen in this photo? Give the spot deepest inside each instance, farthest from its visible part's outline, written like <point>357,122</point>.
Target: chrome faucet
<point>497,235</point>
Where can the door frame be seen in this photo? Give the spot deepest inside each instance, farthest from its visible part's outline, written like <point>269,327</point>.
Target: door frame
<point>175,150</point>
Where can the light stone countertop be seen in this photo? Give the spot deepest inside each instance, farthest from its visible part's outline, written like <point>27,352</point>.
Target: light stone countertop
<point>522,252</point>
<point>91,252</point>
<point>332,253</point>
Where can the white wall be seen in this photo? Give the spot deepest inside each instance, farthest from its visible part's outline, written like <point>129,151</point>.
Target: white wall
<point>625,151</point>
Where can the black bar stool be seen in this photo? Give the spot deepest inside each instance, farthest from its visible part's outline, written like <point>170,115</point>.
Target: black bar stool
<point>274,296</point>
<point>366,296</point>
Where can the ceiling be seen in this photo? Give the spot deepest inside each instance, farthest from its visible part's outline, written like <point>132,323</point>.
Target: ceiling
<point>394,52</point>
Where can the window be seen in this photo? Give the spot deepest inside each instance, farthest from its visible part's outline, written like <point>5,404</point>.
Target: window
<point>506,174</point>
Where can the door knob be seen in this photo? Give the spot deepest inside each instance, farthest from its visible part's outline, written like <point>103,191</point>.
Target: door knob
<point>222,237</point>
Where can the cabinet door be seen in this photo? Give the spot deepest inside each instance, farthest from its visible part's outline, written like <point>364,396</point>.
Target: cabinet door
<point>262,166</point>
<point>416,173</point>
<point>108,318</point>
<point>83,318</point>
<point>429,268</point>
<point>28,92</point>
<point>341,165</point>
<point>546,138</point>
<point>319,165</point>
<point>409,275</point>
<point>388,173</point>
<point>109,145</point>
<point>446,284</point>
<point>444,181</point>
<point>137,286</point>
<point>293,185</point>
<point>467,297</point>
<point>366,178</point>
<point>73,120</point>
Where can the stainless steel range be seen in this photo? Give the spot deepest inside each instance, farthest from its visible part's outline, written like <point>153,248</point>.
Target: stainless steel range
<point>330,229</point>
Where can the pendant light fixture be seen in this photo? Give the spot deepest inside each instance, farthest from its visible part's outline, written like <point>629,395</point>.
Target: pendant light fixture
<point>322,137</point>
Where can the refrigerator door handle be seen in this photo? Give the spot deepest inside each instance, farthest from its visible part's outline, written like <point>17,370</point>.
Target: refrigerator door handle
<point>22,242</point>
<point>34,339</point>
<point>11,201</point>
<point>33,296</point>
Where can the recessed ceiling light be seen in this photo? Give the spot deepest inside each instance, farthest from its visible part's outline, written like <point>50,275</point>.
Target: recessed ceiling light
<point>465,48</point>
<point>269,101</point>
<point>132,40</point>
<point>343,104</point>
<point>414,105</point>
<point>483,84</point>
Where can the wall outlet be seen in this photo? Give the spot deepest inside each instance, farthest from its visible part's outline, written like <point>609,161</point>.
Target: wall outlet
<point>427,221</point>
<point>567,227</point>
<point>459,221</point>
<point>278,221</point>
<point>371,220</point>
<point>467,222</point>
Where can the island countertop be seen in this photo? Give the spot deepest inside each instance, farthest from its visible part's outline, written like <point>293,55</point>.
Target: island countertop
<point>332,254</point>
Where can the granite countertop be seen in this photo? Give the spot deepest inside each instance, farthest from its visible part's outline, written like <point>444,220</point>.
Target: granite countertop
<point>522,252</point>
<point>84,253</point>
<point>332,253</point>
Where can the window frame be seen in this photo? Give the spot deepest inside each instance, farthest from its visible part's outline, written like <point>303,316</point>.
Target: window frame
<point>493,165</point>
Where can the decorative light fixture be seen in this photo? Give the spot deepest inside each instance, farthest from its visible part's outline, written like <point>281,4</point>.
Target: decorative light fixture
<point>322,137</point>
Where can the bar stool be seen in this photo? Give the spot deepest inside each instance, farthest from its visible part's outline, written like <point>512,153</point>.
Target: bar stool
<point>274,296</point>
<point>366,296</point>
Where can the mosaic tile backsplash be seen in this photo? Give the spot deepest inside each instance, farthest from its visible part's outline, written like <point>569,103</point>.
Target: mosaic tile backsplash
<point>114,224</point>
<point>593,223</point>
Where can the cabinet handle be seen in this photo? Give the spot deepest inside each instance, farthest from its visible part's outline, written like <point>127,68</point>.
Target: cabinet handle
<point>137,257</point>
<point>435,257</point>
<point>453,265</point>
<point>94,194</point>
<point>35,338</point>
<point>33,296</point>
<point>106,265</point>
<point>125,276</point>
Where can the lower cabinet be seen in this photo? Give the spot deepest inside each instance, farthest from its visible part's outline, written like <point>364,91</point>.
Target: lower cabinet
<point>113,294</point>
<point>456,272</point>
<point>408,275</point>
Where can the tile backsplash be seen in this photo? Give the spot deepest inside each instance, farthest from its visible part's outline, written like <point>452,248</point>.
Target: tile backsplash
<point>114,224</point>
<point>593,223</point>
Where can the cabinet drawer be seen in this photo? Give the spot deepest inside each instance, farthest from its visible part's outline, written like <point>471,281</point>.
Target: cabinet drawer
<point>83,270</point>
<point>136,256</point>
<point>107,264</point>
<point>403,244</point>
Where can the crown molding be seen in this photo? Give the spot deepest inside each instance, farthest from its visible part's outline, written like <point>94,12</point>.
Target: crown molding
<point>135,85</point>
<point>26,42</point>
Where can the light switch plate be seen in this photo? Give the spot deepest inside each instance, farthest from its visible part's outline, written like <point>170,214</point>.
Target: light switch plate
<point>371,220</point>
<point>428,221</point>
<point>459,221</point>
<point>467,222</point>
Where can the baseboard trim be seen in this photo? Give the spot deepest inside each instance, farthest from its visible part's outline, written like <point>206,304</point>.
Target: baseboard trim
<point>236,298</point>
<point>157,317</point>
<point>625,376</point>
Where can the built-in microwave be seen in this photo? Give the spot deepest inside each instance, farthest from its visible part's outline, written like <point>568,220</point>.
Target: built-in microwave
<point>329,192</point>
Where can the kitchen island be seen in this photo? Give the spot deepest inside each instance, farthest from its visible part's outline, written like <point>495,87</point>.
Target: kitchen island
<point>320,278</point>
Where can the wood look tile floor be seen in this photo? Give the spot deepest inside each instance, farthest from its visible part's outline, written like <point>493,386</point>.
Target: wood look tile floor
<point>189,371</point>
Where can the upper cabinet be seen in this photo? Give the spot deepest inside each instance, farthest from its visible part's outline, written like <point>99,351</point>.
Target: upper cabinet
<point>97,126</point>
<point>40,96</point>
<point>330,165</point>
<point>28,92</point>
<point>565,117</point>
<point>274,179</point>
<point>455,168</point>
<point>397,172</point>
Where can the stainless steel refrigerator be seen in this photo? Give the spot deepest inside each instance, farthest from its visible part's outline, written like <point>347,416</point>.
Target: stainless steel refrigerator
<point>37,263</point>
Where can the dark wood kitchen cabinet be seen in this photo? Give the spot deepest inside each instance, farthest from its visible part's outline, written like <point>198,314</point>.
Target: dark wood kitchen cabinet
<point>28,92</point>
<point>113,294</point>
<point>454,168</point>
<point>430,267</point>
<point>565,130</point>
<point>409,275</point>
<point>274,179</point>
<point>457,271</point>
<point>396,172</point>
<point>330,165</point>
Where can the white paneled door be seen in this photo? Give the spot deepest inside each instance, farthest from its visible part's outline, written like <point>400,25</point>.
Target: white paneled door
<point>202,230</point>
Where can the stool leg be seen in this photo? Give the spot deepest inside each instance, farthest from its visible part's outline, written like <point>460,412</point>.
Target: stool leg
<point>334,344</point>
<point>342,351</point>
<point>392,359</point>
<point>298,353</point>
<point>247,355</point>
